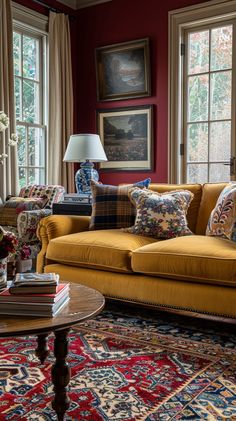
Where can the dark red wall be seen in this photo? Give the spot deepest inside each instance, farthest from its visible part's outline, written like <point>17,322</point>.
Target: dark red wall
<point>120,21</point>
<point>114,22</point>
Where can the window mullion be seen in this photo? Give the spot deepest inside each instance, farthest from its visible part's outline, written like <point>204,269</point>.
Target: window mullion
<point>209,109</point>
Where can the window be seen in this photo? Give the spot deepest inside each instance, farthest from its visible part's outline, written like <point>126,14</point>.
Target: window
<point>29,78</point>
<point>208,111</point>
<point>202,93</point>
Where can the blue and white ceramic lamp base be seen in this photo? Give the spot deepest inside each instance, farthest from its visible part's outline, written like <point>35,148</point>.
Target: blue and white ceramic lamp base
<point>83,177</point>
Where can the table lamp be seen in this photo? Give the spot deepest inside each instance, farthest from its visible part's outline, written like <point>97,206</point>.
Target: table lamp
<point>85,148</point>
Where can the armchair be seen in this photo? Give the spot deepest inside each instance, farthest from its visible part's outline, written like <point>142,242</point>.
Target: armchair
<point>22,214</point>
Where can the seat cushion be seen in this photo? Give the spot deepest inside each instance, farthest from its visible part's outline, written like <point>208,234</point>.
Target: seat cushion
<point>15,205</point>
<point>194,258</point>
<point>104,249</point>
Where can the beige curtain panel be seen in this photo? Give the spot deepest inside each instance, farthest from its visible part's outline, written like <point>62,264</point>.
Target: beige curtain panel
<point>9,169</point>
<point>60,101</point>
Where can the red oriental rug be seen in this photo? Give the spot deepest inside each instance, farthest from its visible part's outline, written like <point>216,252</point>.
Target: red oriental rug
<point>127,364</point>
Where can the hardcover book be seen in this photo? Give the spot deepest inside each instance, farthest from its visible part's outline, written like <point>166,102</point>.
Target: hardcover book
<point>61,291</point>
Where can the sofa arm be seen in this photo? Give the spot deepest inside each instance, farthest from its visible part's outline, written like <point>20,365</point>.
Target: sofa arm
<point>27,223</point>
<point>56,226</point>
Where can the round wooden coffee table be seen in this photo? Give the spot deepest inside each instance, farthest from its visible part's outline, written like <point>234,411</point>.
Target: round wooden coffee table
<point>84,304</point>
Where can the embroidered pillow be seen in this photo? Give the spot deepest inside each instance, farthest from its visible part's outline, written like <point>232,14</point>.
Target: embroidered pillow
<point>12,207</point>
<point>222,221</point>
<point>111,207</point>
<point>160,215</point>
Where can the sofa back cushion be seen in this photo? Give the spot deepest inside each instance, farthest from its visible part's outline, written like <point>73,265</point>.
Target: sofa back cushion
<point>210,194</point>
<point>193,209</point>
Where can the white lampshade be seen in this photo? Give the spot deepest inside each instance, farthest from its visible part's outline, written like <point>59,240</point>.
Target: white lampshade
<point>82,147</point>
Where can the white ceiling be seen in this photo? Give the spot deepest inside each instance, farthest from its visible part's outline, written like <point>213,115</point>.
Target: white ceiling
<point>79,4</point>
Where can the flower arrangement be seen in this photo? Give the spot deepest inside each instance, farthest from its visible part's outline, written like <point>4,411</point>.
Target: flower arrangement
<point>4,123</point>
<point>8,243</point>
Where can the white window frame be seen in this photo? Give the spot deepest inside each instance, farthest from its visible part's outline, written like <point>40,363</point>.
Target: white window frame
<point>31,23</point>
<point>214,11</point>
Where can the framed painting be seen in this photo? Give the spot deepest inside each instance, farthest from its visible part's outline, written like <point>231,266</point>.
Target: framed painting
<point>123,70</point>
<point>126,134</point>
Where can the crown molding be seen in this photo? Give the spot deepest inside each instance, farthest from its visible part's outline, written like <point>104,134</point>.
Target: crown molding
<point>80,4</point>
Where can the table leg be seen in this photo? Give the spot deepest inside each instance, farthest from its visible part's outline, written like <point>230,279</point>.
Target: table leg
<point>42,350</point>
<point>61,374</point>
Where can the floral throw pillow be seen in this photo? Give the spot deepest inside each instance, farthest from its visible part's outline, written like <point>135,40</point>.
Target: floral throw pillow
<point>222,221</point>
<point>158,215</point>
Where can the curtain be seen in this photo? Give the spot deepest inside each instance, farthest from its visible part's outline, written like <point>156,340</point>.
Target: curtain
<point>60,101</point>
<point>9,169</point>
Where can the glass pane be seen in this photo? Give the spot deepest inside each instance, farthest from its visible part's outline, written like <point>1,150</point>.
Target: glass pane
<point>30,101</point>
<point>221,95</point>
<point>198,98</point>
<point>17,53</point>
<point>221,48</point>
<point>219,172</point>
<point>30,57</point>
<point>220,141</point>
<point>36,176</point>
<point>18,93</point>
<point>36,147</point>
<point>197,141</point>
<point>197,173</point>
<point>22,177</point>
<point>21,146</point>
<point>198,52</point>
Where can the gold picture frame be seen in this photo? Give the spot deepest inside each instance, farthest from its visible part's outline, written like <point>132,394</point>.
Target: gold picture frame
<point>127,137</point>
<point>123,70</point>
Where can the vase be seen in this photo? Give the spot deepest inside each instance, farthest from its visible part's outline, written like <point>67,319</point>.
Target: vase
<point>3,273</point>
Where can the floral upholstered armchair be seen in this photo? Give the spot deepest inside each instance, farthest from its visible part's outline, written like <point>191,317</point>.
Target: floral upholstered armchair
<point>22,214</point>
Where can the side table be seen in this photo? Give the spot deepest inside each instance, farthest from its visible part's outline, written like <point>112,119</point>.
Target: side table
<point>71,208</point>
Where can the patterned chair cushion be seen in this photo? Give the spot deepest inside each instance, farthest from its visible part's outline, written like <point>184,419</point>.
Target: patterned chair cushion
<point>111,207</point>
<point>160,215</point>
<point>53,192</point>
<point>222,221</point>
<point>15,205</point>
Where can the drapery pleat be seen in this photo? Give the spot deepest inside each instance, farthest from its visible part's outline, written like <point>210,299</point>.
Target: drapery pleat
<point>60,101</point>
<point>9,170</point>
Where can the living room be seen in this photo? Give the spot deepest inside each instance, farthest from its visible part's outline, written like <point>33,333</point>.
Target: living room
<point>153,84</point>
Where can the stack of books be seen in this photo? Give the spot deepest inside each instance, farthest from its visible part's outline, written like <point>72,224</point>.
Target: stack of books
<point>33,294</point>
<point>77,198</point>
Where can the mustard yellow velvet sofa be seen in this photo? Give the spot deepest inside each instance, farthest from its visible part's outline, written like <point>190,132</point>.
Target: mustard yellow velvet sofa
<point>195,273</point>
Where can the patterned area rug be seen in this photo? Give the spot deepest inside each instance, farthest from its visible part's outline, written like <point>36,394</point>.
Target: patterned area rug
<point>127,364</point>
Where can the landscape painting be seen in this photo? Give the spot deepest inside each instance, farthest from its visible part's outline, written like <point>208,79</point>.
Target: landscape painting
<point>123,70</point>
<point>126,135</point>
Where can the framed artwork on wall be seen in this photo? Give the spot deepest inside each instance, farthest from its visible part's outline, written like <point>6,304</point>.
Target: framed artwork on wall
<point>123,70</point>
<point>127,137</point>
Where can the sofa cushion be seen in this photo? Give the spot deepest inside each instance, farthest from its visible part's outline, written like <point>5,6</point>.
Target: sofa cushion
<point>105,249</point>
<point>210,194</point>
<point>15,205</point>
<point>160,215</point>
<point>193,209</point>
<point>193,258</point>
<point>222,221</point>
<point>111,207</point>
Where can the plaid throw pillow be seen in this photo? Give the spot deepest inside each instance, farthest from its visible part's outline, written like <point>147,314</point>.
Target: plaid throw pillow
<point>111,207</point>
